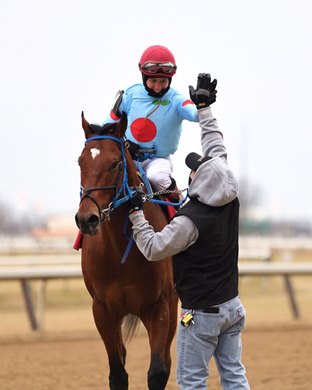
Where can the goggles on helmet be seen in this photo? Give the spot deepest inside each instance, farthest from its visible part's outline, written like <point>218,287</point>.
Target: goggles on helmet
<point>152,68</point>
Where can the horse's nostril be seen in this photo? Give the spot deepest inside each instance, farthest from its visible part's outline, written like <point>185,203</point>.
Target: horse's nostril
<point>93,220</point>
<point>87,225</point>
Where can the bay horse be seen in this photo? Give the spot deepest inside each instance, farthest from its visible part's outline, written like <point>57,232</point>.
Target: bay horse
<point>124,286</point>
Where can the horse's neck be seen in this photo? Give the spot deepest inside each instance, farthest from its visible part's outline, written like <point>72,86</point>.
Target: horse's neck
<point>133,177</point>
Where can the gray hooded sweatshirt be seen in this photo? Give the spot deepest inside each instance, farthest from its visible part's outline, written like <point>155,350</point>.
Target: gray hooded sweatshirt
<point>214,185</point>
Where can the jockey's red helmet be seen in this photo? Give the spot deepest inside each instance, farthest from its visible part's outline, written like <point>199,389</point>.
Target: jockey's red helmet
<point>157,61</point>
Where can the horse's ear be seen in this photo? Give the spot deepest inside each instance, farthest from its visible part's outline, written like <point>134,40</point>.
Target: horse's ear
<point>85,126</point>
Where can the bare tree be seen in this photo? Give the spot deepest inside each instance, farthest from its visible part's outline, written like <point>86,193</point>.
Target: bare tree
<point>15,223</point>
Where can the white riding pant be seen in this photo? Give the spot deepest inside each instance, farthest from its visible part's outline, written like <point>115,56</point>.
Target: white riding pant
<point>158,170</point>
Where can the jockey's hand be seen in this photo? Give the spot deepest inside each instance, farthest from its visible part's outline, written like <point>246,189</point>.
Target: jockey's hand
<point>205,93</point>
<point>136,201</point>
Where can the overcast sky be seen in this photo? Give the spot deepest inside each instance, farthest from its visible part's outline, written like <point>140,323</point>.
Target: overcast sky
<point>63,56</point>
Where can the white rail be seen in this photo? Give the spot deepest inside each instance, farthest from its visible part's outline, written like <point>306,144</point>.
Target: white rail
<point>47,267</point>
<point>40,272</point>
<point>276,268</point>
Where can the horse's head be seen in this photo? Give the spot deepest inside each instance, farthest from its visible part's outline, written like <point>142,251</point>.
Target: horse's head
<point>103,163</point>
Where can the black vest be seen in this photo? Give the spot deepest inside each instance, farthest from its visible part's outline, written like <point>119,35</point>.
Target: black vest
<point>206,274</point>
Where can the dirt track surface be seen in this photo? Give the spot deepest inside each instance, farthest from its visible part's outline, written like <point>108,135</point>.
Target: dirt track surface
<point>275,358</point>
<point>68,354</point>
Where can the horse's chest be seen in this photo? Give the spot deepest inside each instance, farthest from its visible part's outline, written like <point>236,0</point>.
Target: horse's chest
<point>118,290</point>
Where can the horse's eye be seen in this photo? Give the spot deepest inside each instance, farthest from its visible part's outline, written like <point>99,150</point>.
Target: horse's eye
<point>115,164</point>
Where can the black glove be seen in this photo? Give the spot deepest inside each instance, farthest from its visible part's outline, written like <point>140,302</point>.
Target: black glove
<point>136,201</point>
<point>205,93</point>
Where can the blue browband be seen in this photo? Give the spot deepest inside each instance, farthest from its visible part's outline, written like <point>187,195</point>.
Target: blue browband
<point>104,137</point>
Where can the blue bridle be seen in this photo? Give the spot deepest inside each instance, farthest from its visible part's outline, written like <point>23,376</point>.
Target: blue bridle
<point>123,194</point>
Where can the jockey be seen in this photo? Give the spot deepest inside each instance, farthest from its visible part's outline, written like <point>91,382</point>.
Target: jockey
<point>155,113</point>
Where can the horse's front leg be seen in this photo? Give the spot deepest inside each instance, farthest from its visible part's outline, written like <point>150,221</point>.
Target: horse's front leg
<point>109,327</point>
<point>173,313</point>
<point>157,323</point>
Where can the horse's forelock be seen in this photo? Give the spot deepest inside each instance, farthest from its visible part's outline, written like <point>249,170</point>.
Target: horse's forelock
<point>117,129</point>
<point>108,128</point>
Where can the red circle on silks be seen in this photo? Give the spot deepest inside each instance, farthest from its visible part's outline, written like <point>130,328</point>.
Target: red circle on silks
<point>143,129</point>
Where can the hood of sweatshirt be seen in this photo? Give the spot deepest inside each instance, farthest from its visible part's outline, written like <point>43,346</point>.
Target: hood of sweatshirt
<point>214,183</point>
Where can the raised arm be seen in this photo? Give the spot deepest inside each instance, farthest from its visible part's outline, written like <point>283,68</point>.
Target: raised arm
<point>213,184</point>
<point>203,96</point>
